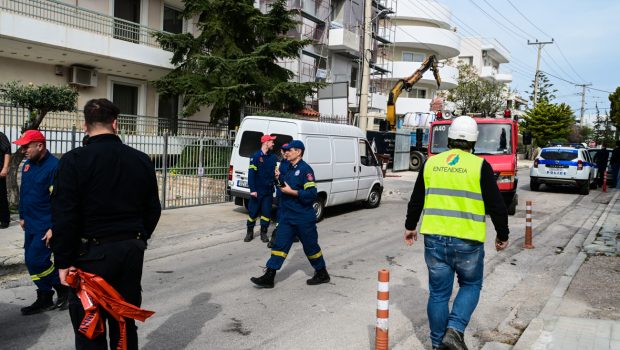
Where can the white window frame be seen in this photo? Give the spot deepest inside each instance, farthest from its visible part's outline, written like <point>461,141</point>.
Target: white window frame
<point>141,84</point>
<point>413,53</point>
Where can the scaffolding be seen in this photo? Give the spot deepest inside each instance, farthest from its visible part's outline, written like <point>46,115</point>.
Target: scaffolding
<point>384,33</point>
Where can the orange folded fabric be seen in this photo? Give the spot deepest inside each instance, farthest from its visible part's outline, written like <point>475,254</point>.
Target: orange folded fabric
<point>95,292</point>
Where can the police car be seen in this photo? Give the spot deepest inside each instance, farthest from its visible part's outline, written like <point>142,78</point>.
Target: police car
<point>564,166</point>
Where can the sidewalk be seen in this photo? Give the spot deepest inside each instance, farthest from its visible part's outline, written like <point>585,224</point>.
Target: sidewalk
<point>582,312</point>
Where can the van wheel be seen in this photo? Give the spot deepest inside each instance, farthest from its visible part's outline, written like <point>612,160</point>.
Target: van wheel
<point>319,208</point>
<point>584,188</point>
<point>374,198</point>
<point>246,203</point>
<point>415,161</point>
<point>534,184</point>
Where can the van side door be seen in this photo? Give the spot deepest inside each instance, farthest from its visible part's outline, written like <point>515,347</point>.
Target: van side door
<point>344,184</point>
<point>368,170</point>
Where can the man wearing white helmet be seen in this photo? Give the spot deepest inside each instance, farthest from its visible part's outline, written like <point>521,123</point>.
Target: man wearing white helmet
<point>453,192</point>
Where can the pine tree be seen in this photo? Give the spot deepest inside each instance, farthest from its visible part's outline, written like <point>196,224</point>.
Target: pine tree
<point>545,89</point>
<point>549,122</point>
<point>233,59</point>
<point>614,114</point>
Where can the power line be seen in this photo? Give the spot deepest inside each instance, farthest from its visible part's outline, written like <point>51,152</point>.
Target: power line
<point>527,19</point>
<point>609,92</point>
<point>503,26</point>
<point>542,31</point>
<point>569,65</point>
<point>507,20</point>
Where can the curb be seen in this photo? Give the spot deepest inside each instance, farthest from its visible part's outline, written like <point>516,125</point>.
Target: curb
<point>531,334</point>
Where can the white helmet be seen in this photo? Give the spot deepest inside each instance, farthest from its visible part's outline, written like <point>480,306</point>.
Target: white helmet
<point>463,128</point>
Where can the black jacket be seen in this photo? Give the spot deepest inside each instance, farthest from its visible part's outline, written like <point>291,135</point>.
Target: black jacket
<point>103,189</point>
<point>493,202</point>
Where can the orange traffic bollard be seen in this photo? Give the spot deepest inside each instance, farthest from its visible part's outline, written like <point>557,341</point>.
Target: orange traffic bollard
<point>528,226</point>
<point>383,310</point>
<point>605,182</point>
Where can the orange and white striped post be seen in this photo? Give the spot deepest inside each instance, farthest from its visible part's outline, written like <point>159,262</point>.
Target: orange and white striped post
<point>383,310</point>
<point>528,226</point>
<point>605,181</point>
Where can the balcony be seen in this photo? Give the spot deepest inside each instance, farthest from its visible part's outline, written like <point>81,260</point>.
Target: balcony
<point>448,74</point>
<point>497,51</point>
<point>425,11</point>
<point>342,39</point>
<point>503,77</point>
<point>445,43</point>
<point>488,72</point>
<point>73,29</point>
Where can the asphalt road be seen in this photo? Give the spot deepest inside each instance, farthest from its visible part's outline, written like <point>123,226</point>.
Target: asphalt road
<point>197,273</point>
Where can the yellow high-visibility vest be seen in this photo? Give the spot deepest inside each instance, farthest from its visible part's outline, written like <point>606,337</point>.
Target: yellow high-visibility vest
<point>453,204</point>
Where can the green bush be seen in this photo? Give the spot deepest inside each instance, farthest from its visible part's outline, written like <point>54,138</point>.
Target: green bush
<point>215,159</point>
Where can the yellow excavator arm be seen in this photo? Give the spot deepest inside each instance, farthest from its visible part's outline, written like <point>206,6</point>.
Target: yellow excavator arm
<point>407,83</point>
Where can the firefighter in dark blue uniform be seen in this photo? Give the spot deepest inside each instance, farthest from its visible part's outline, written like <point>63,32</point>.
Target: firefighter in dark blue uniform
<point>284,163</point>
<point>261,177</point>
<point>296,216</point>
<point>35,217</point>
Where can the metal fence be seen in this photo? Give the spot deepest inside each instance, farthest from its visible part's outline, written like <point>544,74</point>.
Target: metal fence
<point>191,158</point>
<point>81,18</point>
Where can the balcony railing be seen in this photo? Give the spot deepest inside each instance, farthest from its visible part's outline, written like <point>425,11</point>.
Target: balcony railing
<point>80,18</point>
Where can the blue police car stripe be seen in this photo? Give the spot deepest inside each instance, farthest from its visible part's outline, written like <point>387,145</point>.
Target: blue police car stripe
<point>562,162</point>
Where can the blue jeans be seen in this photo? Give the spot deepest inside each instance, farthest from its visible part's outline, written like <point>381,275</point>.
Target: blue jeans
<point>444,256</point>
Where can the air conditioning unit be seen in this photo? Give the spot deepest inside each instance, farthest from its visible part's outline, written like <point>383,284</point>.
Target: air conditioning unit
<point>83,76</point>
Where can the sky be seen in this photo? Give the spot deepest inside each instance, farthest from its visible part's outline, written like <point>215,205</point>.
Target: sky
<point>586,45</point>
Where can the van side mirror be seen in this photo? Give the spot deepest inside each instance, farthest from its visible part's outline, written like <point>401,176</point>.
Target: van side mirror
<point>527,138</point>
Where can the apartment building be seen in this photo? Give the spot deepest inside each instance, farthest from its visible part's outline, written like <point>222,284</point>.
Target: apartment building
<point>487,55</point>
<point>104,48</point>
<point>422,28</point>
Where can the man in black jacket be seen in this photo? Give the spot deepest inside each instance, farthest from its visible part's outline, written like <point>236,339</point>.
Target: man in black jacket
<point>105,206</point>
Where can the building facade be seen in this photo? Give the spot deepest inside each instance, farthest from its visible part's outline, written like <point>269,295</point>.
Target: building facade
<point>104,48</point>
<point>421,28</point>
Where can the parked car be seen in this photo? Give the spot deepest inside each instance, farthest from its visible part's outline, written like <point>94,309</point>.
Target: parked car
<point>345,166</point>
<point>564,166</point>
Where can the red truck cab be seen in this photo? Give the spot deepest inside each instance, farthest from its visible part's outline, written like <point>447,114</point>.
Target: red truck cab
<point>497,144</point>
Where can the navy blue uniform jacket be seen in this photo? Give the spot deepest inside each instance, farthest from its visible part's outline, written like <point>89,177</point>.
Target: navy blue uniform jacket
<point>299,177</point>
<point>261,173</point>
<point>35,207</point>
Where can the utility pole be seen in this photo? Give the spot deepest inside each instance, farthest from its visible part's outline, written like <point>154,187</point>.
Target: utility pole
<point>540,45</point>
<point>583,102</point>
<point>366,53</point>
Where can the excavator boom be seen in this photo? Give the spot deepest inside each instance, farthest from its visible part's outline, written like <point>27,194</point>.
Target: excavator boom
<point>407,83</point>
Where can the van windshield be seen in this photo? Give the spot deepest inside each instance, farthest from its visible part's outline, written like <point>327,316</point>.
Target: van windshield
<point>558,154</point>
<point>250,143</point>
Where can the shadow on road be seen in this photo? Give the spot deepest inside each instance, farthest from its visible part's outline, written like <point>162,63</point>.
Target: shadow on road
<point>175,333</point>
<point>410,298</point>
<point>22,332</point>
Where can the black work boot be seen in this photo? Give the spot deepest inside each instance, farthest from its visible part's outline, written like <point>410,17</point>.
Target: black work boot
<point>272,241</point>
<point>263,234</point>
<point>266,280</point>
<point>62,297</point>
<point>320,276</point>
<point>250,235</point>
<point>43,303</point>
<point>454,340</point>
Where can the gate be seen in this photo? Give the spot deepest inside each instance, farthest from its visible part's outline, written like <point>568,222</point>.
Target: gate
<point>193,170</point>
<point>191,158</point>
<point>402,147</point>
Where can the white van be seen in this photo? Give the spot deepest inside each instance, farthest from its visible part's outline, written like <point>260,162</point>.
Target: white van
<point>345,167</point>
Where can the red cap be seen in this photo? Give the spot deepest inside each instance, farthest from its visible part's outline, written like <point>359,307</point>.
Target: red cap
<point>30,136</point>
<point>266,138</point>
